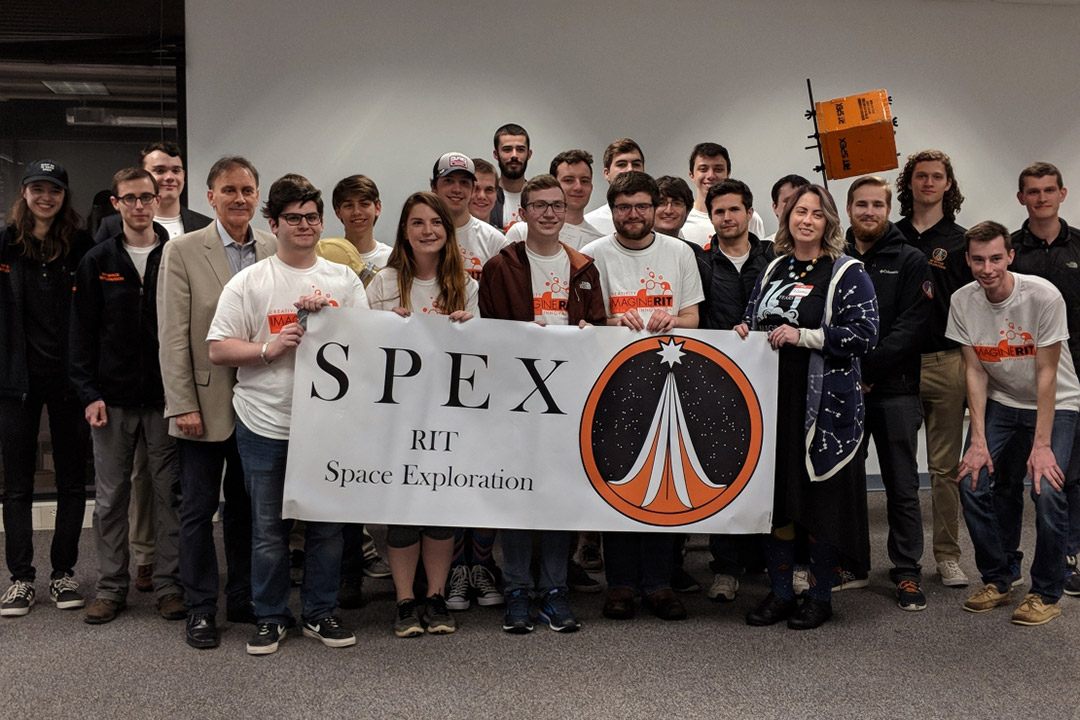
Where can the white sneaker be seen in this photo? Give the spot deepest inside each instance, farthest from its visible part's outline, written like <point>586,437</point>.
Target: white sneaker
<point>457,595</point>
<point>724,588</point>
<point>951,574</point>
<point>800,580</point>
<point>483,584</point>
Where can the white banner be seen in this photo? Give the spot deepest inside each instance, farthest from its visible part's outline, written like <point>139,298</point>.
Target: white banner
<point>492,423</point>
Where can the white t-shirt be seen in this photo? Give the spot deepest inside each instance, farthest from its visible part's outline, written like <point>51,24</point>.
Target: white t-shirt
<point>698,228</point>
<point>376,259</point>
<point>174,225</point>
<point>383,294</point>
<point>1007,335</point>
<point>663,275</point>
<point>254,305</point>
<point>739,261</point>
<point>511,208</point>
<point>576,236</point>
<point>479,243</point>
<point>550,286</point>
<point>600,219</point>
<point>139,256</point>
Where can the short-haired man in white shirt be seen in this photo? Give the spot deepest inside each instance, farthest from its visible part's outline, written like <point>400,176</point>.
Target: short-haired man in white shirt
<point>1021,384</point>
<point>620,156</point>
<point>453,179</point>
<point>709,164</point>
<point>573,170</point>
<point>257,329</point>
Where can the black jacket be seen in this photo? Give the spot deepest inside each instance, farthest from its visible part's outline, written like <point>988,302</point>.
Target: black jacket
<point>14,270</point>
<point>114,339</point>
<point>495,218</point>
<point>113,224</point>
<point>944,248</point>
<point>727,290</point>
<point>902,283</point>
<point>1058,262</point>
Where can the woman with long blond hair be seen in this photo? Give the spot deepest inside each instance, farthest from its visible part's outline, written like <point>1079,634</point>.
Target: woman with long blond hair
<point>424,275</point>
<point>40,249</point>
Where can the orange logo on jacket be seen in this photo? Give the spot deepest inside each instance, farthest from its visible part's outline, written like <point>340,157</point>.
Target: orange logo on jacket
<point>111,277</point>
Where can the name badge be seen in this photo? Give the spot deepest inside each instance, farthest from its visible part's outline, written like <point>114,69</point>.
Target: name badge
<point>801,291</point>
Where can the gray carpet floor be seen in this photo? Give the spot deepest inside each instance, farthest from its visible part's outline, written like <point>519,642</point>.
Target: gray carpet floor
<point>872,661</point>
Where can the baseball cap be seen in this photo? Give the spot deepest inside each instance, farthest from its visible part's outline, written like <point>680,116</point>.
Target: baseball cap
<point>49,170</point>
<point>453,162</point>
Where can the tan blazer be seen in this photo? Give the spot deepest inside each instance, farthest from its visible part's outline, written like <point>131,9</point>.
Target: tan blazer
<point>194,270</point>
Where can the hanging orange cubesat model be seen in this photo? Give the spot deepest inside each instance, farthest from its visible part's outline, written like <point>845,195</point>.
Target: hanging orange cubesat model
<point>856,134</point>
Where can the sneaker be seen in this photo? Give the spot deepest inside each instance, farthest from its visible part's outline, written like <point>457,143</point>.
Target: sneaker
<point>518,617</point>
<point>103,610</point>
<point>296,568</point>
<point>406,622</point>
<point>800,580</point>
<point>436,617</point>
<point>723,588</point>
<point>351,592</point>
<point>330,631</point>
<point>555,611</point>
<point>457,596</point>
<point>909,596</point>
<point>144,577</point>
<point>1033,611</point>
<point>17,600</point>
<point>376,568</point>
<point>579,580</point>
<point>1017,579</point>
<point>483,585</point>
<point>951,574</point>
<point>1072,581</point>
<point>267,637</point>
<point>987,599</point>
<point>684,582</point>
<point>589,558</point>
<point>64,591</point>
<point>847,580</point>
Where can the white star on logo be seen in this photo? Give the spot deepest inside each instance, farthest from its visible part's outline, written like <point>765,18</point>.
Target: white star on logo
<point>671,352</point>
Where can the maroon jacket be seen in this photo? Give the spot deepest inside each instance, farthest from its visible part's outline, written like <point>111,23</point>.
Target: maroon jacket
<point>506,287</point>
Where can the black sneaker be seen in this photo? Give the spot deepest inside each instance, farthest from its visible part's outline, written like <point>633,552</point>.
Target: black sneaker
<point>64,591</point>
<point>17,600</point>
<point>351,593</point>
<point>1072,577</point>
<point>909,596</point>
<point>406,622</point>
<point>684,582</point>
<point>330,631</point>
<point>436,617</point>
<point>266,639</point>
<point>579,580</point>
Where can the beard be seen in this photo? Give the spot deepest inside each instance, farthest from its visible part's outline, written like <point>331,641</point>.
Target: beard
<point>635,233</point>
<point>512,174</point>
<point>871,233</point>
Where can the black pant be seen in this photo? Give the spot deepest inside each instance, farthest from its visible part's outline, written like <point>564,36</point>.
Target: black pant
<point>201,464</point>
<point>19,422</point>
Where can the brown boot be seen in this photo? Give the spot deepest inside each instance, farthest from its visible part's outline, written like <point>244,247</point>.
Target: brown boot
<point>103,610</point>
<point>144,578</point>
<point>171,606</point>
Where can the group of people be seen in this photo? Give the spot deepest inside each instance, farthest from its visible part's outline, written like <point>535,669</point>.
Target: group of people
<point>170,337</point>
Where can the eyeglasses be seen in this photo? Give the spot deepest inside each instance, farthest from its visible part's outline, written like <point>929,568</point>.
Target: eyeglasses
<point>676,204</point>
<point>130,200</point>
<point>295,218</point>
<point>642,208</point>
<point>540,207</point>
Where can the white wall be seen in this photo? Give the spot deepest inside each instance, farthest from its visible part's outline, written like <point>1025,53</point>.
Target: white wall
<point>328,89</point>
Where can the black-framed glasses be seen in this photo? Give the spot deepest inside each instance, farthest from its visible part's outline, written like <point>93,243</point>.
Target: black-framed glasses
<point>130,200</point>
<point>624,209</point>
<point>540,207</point>
<point>295,218</point>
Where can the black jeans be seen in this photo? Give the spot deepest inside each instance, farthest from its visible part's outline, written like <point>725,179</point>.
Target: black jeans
<point>19,422</point>
<point>201,464</point>
<point>893,422</point>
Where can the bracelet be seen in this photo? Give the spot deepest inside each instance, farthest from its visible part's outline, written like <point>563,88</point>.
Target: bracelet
<point>262,354</point>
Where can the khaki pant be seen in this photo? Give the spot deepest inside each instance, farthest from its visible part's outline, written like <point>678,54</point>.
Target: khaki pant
<point>942,390</point>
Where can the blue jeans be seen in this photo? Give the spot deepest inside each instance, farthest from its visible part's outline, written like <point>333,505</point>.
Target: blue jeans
<point>517,548</point>
<point>989,532</point>
<point>264,477</point>
<point>640,561</point>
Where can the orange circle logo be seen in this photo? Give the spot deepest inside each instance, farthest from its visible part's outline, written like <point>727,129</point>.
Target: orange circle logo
<point>671,432</point>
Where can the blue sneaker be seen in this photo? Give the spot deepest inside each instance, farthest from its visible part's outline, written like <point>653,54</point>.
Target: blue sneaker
<point>518,618</point>
<point>555,611</point>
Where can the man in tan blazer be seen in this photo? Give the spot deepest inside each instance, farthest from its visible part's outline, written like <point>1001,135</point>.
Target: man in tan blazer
<point>198,396</point>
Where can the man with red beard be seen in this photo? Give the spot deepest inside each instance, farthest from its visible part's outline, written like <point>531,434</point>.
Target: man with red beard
<point>512,152</point>
<point>890,373</point>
